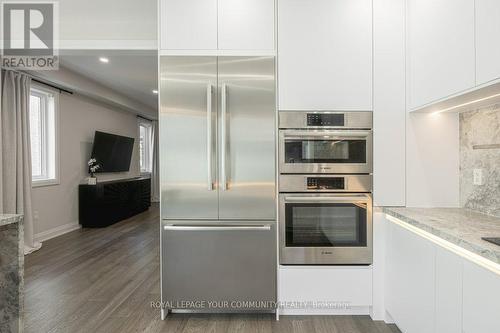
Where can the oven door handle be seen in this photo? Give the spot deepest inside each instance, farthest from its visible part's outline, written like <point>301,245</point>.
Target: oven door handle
<point>332,199</point>
<point>335,135</point>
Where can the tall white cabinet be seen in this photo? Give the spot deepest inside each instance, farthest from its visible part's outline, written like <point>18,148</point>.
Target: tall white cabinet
<point>440,45</point>
<point>389,103</point>
<point>211,25</point>
<point>325,55</point>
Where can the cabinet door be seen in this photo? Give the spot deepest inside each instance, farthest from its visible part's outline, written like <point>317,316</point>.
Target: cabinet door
<point>440,39</point>
<point>448,291</point>
<point>246,24</point>
<point>188,24</point>
<point>487,45</point>
<point>325,54</point>
<point>410,284</point>
<point>389,117</point>
<point>481,307</point>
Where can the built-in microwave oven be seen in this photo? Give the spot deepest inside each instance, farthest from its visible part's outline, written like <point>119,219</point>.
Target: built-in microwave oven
<point>325,142</point>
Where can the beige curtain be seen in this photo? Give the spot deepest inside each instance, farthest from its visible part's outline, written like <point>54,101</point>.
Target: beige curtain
<point>15,155</point>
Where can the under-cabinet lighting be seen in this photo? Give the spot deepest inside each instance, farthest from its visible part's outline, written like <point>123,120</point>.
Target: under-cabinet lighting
<point>155,91</point>
<point>467,103</point>
<point>104,60</point>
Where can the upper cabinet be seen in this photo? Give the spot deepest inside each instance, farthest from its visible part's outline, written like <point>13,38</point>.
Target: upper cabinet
<point>246,24</point>
<point>325,54</point>
<point>212,25</point>
<point>487,40</point>
<point>440,45</point>
<point>188,24</point>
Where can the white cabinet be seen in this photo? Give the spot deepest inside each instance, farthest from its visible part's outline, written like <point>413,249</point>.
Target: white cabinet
<point>487,40</point>
<point>206,25</point>
<point>334,288</point>
<point>389,104</point>
<point>435,287</point>
<point>188,24</point>
<point>440,44</point>
<point>325,54</point>
<point>481,312</point>
<point>448,292</point>
<point>410,286</point>
<point>246,24</point>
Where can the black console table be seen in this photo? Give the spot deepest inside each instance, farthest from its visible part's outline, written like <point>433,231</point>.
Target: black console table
<point>112,201</point>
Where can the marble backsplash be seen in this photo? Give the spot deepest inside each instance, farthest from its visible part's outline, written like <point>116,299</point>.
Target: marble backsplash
<point>480,128</point>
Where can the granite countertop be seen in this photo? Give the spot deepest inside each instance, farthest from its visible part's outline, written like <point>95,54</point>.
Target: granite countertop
<point>9,219</point>
<point>459,226</point>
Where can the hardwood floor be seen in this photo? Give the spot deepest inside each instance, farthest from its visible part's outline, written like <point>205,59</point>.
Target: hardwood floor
<point>104,280</point>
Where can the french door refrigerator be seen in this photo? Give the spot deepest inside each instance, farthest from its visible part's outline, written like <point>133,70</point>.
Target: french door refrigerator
<point>217,174</point>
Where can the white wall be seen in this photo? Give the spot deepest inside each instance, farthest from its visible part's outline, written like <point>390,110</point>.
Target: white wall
<point>432,160</point>
<point>56,207</point>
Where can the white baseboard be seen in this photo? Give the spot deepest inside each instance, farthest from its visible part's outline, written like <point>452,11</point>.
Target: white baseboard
<point>388,318</point>
<point>57,231</point>
<point>351,311</point>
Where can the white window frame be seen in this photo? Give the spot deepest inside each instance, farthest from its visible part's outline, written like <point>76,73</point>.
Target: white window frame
<point>49,135</point>
<point>148,151</point>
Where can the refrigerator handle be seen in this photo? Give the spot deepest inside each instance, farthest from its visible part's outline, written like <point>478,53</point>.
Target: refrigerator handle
<point>223,136</point>
<point>216,228</point>
<point>209,138</point>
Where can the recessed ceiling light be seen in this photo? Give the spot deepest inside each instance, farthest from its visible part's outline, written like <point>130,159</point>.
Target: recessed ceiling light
<point>155,91</point>
<point>104,60</point>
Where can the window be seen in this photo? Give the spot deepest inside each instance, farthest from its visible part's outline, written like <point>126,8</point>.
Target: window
<point>43,136</point>
<point>145,146</point>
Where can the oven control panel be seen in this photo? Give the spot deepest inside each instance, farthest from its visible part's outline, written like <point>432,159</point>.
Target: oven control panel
<point>325,183</point>
<point>325,119</point>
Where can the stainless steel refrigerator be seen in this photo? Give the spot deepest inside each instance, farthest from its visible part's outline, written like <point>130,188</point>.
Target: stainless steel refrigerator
<point>217,161</point>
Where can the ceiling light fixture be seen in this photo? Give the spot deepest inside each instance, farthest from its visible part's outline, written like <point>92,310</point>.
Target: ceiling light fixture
<point>155,91</point>
<point>104,60</point>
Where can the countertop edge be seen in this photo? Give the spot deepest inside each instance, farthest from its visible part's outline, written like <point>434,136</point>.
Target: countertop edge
<point>493,256</point>
<point>6,219</point>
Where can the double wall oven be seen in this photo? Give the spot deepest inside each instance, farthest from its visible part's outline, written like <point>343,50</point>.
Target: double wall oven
<point>325,161</point>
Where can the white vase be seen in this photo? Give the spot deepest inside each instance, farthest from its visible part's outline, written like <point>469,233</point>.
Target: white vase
<point>92,180</point>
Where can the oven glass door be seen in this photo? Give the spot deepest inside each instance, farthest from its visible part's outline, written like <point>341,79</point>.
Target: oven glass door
<point>323,224</point>
<point>325,150</point>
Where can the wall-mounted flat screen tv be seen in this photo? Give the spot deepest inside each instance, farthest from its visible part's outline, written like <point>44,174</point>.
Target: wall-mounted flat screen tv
<point>112,152</point>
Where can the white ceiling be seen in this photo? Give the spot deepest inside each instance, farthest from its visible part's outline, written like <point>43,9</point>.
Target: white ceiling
<point>129,73</point>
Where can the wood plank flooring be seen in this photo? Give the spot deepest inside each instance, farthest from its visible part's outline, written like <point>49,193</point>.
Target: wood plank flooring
<point>104,280</point>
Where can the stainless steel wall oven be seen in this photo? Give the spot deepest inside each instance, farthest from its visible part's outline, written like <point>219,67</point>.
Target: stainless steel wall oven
<point>325,203</point>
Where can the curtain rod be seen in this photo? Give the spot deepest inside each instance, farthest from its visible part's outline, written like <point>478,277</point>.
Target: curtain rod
<point>50,85</point>
<point>41,81</point>
<point>149,119</point>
